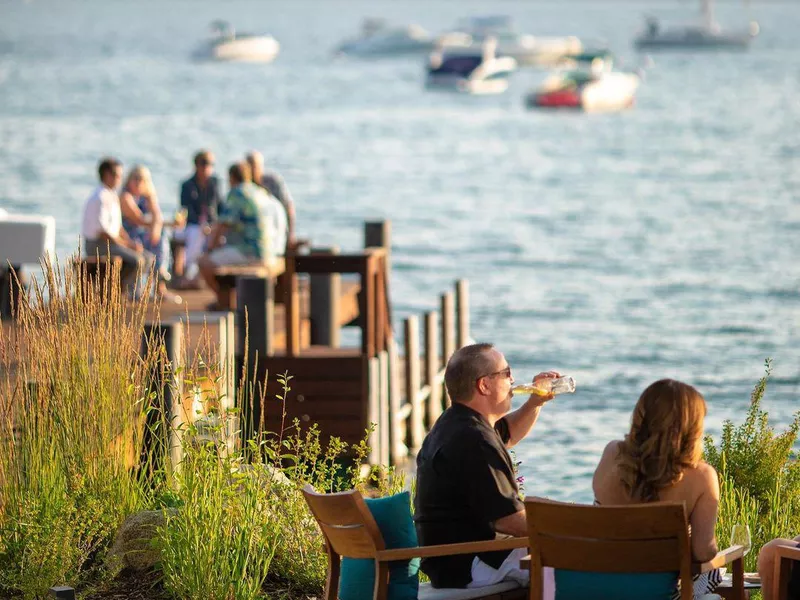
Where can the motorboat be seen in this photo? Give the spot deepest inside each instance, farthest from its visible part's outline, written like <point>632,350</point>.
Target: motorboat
<point>525,49</point>
<point>379,39</point>
<point>590,84</point>
<point>706,35</point>
<point>228,45</point>
<point>476,72</point>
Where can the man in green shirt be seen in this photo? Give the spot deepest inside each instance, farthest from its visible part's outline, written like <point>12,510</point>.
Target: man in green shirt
<point>254,226</point>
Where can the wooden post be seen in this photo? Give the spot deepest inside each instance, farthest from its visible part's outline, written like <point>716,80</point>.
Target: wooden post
<point>367,306</point>
<point>291,302</point>
<point>397,437</point>
<point>448,333</point>
<point>413,384</point>
<point>462,312</point>
<point>373,407</point>
<point>434,405</point>
<point>325,299</point>
<point>227,344</point>
<point>255,313</point>
<point>383,410</point>
<point>378,234</point>
<point>165,339</point>
<point>10,290</point>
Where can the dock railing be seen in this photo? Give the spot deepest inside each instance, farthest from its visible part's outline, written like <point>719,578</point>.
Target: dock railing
<point>411,386</point>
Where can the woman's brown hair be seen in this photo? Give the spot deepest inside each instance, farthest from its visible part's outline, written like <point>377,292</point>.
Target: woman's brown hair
<point>664,440</point>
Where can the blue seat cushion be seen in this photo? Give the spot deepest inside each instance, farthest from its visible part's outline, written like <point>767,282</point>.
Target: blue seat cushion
<point>575,585</point>
<point>357,577</point>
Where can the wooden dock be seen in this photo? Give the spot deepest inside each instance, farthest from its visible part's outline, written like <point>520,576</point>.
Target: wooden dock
<point>393,378</point>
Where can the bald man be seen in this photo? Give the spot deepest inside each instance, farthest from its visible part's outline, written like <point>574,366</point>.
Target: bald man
<point>272,182</point>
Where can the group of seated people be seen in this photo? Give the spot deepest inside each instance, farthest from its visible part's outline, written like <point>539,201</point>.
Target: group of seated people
<point>466,488</point>
<point>252,224</point>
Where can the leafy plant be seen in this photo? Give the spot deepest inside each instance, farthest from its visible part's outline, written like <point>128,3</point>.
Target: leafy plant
<point>759,475</point>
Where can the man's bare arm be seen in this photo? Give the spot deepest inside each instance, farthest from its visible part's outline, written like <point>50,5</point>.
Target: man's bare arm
<point>514,524</point>
<point>521,421</point>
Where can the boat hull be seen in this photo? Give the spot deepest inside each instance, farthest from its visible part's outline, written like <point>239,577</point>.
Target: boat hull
<point>686,41</point>
<point>261,49</point>
<point>489,78</point>
<point>613,92</point>
<point>380,48</point>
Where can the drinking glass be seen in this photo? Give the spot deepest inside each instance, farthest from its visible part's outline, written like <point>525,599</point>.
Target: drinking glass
<point>740,536</point>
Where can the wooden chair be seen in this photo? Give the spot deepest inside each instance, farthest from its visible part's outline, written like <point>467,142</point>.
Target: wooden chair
<point>787,560</point>
<point>644,538</point>
<point>350,531</point>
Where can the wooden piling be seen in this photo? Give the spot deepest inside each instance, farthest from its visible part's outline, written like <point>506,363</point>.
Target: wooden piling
<point>396,426</point>
<point>165,424</point>
<point>324,305</point>
<point>462,313</point>
<point>417,427</point>
<point>434,404</point>
<point>448,333</point>
<point>378,234</point>
<point>255,306</point>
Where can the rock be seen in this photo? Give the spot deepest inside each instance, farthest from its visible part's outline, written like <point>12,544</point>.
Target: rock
<point>132,546</point>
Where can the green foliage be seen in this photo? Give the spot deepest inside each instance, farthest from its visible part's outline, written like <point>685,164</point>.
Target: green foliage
<point>71,405</point>
<point>759,476</point>
<point>71,470</point>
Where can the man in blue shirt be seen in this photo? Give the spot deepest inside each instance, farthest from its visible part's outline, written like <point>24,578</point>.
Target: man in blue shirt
<point>201,198</point>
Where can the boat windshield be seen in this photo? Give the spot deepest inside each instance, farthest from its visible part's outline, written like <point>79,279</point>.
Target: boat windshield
<point>458,65</point>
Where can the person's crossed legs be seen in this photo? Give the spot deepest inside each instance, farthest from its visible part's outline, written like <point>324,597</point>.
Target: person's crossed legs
<point>766,563</point>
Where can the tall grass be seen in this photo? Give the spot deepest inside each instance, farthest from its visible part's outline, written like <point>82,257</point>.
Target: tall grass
<point>77,407</point>
<point>72,400</point>
<point>759,476</point>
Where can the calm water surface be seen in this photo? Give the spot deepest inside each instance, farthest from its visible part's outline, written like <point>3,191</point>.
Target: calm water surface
<point>618,248</point>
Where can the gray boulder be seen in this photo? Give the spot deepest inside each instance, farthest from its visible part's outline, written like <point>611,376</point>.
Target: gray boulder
<point>132,547</point>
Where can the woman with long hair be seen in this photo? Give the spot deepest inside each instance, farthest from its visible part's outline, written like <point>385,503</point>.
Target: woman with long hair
<point>660,459</point>
<point>143,221</point>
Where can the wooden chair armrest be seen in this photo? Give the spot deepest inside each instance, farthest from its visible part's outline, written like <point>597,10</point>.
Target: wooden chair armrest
<point>790,552</point>
<point>723,557</point>
<point>449,549</point>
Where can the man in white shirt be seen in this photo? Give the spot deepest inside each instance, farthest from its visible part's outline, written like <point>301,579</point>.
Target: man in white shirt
<point>102,229</point>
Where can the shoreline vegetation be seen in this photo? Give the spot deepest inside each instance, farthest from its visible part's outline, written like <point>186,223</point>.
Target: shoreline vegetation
<point>83,455</point>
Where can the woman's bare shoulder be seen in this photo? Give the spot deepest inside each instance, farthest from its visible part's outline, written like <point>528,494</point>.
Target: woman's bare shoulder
<point>702,476</point>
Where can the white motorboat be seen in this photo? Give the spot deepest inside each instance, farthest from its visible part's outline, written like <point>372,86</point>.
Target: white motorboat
<point>597,87</point>
<point>706,35</point>
<point>228,45</point>
<point>525,49</point>
<point>476,72</point>
<point>379,39</point>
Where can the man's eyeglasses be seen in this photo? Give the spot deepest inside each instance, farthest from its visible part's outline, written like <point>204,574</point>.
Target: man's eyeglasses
<point>506,373</point>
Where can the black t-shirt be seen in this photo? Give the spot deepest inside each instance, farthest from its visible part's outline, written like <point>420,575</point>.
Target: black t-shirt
<point>794,581</point>
<point>201,202</point>
<point>465,482</point>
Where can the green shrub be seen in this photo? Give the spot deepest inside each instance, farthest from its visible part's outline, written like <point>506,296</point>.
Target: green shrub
<point>71,404</point>
<point>759,476</point>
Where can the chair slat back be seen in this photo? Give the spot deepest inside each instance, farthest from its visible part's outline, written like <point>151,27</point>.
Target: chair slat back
<point>643,538</point>
<point>346,522</point>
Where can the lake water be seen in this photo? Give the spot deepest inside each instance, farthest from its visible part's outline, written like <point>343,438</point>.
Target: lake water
<point>618,248</point>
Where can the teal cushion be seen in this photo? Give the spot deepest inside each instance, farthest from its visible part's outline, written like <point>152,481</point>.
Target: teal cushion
<point>577,585</point>
<point>357,578</point>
